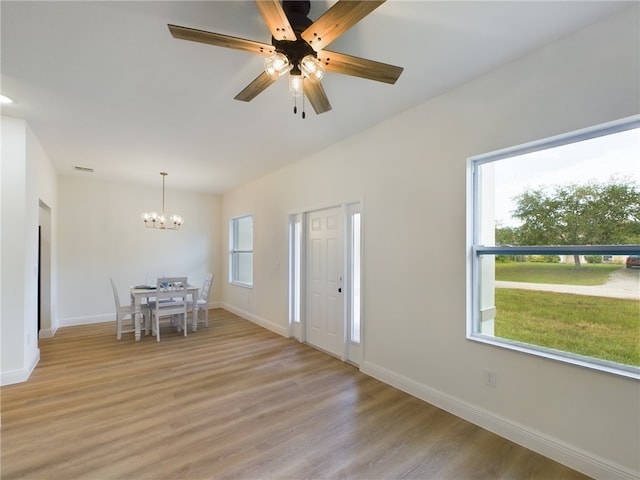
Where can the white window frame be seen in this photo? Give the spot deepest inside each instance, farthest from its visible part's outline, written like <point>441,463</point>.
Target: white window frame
<point>235,251</point>
<point>477,251</point>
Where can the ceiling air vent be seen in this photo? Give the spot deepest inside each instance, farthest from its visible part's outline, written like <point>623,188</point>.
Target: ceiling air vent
<point>84,169</point>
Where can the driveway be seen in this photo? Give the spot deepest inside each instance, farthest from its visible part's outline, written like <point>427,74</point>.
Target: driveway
<point>623,283</point>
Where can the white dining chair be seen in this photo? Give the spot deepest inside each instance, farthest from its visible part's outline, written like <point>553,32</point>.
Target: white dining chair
<point>170,301</point>
<point>201,304</point>
<point>122,312</point>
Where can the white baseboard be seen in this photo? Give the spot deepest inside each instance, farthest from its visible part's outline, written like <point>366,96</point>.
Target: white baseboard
<point>86,320</point>
<point>568,455</point>
<point>20,375</point>
<point>47,332</point>
<point>274,327</point>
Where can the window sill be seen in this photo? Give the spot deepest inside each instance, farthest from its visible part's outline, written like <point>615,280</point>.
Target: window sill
<point>564,357</point>
<point>241,284</point>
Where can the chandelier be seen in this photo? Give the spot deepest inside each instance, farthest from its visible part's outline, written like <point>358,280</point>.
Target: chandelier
<point>153,220</point>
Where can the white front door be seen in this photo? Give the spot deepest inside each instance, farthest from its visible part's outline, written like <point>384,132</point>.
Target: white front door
<point>325,269</point>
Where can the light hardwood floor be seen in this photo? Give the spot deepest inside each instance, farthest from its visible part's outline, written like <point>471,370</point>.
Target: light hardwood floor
<point>232,401</point>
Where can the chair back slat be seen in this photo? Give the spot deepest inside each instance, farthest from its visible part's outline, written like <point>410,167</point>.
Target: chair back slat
<point>171,296</point>
<point>116,297</point>
<point>206,288</point>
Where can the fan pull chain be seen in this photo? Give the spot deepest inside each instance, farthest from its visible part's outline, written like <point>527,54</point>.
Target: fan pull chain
<point>295,107</point>
<point>295,104</point>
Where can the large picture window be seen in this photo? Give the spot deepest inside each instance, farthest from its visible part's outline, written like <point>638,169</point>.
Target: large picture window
<point>554,237</point>
<point>241,251</point>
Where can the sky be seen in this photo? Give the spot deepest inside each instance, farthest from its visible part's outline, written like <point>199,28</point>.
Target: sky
<point>596,159</point>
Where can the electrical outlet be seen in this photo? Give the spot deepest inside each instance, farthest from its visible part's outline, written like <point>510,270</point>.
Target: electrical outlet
<point>490,378</point>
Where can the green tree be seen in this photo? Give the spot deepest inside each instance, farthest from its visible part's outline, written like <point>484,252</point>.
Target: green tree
<point>506,235</point>
<point>580,214</point>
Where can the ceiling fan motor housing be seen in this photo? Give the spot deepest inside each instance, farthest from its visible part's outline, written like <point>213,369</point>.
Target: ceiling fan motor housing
<point>296,12</point>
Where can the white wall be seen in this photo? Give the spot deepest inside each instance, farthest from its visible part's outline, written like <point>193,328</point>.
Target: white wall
<point>25,170</point>
<point>101,235</point>
<point>411,173</point>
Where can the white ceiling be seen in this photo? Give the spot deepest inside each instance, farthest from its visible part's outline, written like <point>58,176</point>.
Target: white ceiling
<point>104,84</point>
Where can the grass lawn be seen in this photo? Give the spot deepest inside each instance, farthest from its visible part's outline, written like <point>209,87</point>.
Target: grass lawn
<point>604,328</point>
<point>556,273</point>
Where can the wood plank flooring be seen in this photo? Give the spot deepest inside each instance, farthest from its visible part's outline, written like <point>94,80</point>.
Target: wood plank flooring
<point>232,401</point>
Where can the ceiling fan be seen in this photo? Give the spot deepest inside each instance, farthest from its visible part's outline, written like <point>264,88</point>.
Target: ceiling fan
<point>297,48</point>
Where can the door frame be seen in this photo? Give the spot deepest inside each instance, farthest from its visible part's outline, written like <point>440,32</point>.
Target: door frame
<point>298,224</point>
<point>46,318</point>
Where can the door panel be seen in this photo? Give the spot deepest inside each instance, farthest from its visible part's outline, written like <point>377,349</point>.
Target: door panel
<point>315,311</point>
<point>333,316</point>
<point>316,253</point>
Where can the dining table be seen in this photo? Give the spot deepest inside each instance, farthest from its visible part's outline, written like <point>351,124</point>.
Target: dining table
<point>140,293</point>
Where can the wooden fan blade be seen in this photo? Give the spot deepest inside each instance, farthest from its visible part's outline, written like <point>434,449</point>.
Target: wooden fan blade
<point>338,19</point>
<point>317,97</point>
<point>252,90</point>
<point>219,40</point>
<point>359,67</point>
<point>276,19</point>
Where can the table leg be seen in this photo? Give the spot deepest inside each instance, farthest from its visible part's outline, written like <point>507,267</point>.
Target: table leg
<point>147,325</point>
<point>194,312</point>
<point>136,317</point>
<point>194,318</point>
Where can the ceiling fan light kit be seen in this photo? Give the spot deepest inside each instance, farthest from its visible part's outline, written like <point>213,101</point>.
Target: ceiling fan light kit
<point>277,65</point>
<point>297,48</point>
<point>296,85</point>
<point>312,68</point>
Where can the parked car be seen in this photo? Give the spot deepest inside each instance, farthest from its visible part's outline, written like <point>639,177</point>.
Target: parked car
<point>633,261</point>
